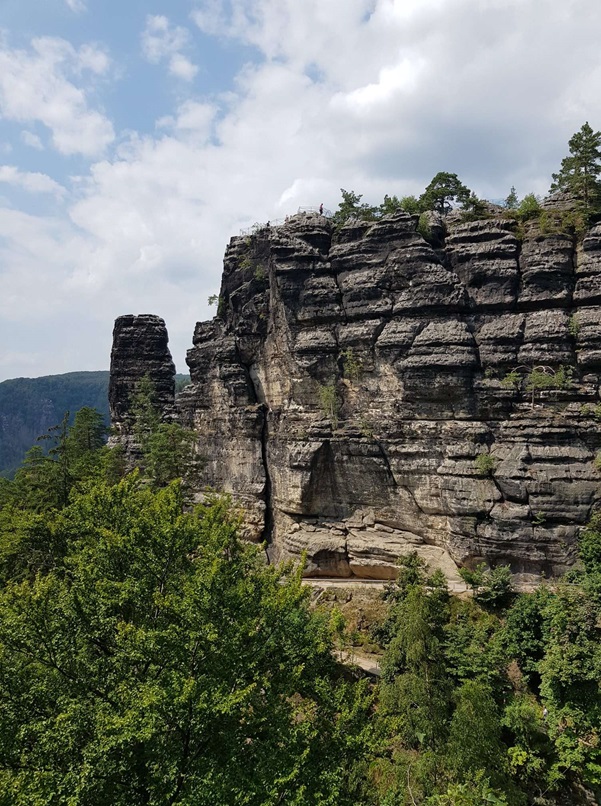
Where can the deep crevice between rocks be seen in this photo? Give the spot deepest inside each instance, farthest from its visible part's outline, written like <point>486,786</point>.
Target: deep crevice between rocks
<point>263,410</point>
<point>342,308</point>
<point>386,462</point>
<point>269,519</point>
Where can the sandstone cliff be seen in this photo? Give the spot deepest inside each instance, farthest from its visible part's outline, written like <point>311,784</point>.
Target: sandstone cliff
<point>350,393</point>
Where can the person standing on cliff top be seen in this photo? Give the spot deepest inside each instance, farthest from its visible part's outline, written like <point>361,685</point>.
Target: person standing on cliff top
<point>321,209</point>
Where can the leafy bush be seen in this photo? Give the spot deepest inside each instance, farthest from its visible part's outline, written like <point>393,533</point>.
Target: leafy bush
<point>573,325</point>
<point>353,365</point>
<point>529,207</point>
<point>351,208</point>
<point>328,399</point>
<point>485,464</point>
<point>546,378</point>
<point>590,554</point>
<point>559,222</point>
<point>538,378</point>
<point>512,380</point>
<point>410,204</point>
<point>424,228</point>
<point>491,586</point>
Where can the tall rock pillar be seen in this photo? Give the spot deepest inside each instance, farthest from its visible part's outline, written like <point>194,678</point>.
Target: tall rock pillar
<point>140,348</point>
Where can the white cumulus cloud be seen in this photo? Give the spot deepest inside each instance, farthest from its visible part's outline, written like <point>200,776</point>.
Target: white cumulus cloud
<point>39,85</point>
<point>163,41</point>
<point>33,182</point>
<point>181,67</point>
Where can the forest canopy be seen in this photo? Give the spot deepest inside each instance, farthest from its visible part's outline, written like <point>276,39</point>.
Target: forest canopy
<point>148,655</point>
<point>578,178</point>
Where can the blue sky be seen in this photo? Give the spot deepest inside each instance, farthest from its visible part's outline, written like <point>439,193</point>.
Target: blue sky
<point>136,137</point>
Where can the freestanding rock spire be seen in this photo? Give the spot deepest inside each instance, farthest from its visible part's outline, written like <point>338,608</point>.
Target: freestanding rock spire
<point>140,348</point>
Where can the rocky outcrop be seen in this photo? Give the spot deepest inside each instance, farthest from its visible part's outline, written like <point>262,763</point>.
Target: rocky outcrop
<point>352,393</point>
<point>140,348</point>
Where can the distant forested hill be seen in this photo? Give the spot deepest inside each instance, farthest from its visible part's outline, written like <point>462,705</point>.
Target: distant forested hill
<point>30,406</point>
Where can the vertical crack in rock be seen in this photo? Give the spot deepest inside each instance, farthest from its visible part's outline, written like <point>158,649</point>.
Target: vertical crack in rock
<point>269,515</point>
<point>386,462</point>
<point>342,305</point>
<point>411,495</point>
<point>518,261</point>
<point>263,409</point>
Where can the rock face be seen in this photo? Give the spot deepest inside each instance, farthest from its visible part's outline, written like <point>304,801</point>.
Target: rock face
<point>140,347</point>
<point>352,395</point>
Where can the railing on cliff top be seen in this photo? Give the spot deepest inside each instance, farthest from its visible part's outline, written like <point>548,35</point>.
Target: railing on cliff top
<point>279,221</point>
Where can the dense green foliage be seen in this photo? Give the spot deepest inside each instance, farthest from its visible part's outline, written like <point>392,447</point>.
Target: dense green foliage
<point>167,449</point>
<point>442,193</point>
<point>490,700</point>
<point>579,176</point>
<point>29,406</point>
<point>538,378</point>
<point>444,189</point>
<point>149,656</point>
<point>155,659</point>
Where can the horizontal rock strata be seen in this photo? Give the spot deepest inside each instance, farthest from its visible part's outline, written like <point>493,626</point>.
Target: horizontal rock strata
<point>140,348</point>
<point>352,393</point>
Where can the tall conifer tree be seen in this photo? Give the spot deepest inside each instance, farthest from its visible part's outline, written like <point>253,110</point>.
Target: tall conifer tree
<point>579,173</point>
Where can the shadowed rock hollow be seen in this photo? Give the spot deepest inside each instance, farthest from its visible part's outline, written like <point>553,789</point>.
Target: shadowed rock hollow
<point>351,380</point>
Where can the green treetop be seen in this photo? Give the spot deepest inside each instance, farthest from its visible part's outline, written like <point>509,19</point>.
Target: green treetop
<point>157,660</point>
<point>444,189</point>
<point>512,201</point>
<point>579,173</point>
<point>351,208</point>
<point>167,448</point>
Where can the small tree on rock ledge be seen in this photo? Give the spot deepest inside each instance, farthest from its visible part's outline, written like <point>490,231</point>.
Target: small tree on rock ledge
<point>444,189</point>
<point>579,173</point>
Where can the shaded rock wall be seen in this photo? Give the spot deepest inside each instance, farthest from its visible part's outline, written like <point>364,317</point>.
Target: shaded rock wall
<point>352,379</point>
<point>140,348</point>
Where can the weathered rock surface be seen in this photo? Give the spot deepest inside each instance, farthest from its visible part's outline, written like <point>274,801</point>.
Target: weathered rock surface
<point>352,379</point>
<point>140,347</point>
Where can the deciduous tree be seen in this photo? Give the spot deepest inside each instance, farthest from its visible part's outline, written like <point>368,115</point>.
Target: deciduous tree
<point>160,661</point>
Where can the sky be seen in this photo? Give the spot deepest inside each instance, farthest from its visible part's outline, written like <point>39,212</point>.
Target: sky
<point>138,136</point>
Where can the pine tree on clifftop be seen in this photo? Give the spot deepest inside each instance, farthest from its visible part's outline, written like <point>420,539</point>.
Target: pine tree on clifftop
<point>579,173</point>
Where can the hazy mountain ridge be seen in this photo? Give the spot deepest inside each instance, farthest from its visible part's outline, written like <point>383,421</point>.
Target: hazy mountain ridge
<point>30,406</point>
